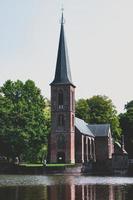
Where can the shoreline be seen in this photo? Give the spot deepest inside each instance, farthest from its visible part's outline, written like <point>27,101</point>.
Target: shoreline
<point>12,169</point>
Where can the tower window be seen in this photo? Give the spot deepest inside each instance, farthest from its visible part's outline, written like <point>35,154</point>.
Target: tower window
<point>61,120</point>
<point>73,121</point>
<point>60,100</point>
<point>72,100</point>
<point>61,141</point>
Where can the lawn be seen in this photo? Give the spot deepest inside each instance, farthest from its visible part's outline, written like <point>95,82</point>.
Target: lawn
<point>60,165</point>
<point>31,165</point>
<point>47,165</point>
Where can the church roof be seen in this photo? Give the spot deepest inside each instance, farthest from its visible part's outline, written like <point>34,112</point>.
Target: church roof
<point>82,126</point>
<point>100,130</point>
<point>62,73</point>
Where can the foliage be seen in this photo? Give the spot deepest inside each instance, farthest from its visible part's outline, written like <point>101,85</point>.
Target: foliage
<point>82,110</point>
<point>126,121</point>
<point>99,110</point>
<point>24,121</point>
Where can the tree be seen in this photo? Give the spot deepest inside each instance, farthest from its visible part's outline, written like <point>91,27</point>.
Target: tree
<point>24,124</point>
<point>5,109</point>
<point>82,110</point>
<point>126,122</point>
<point>99,110</point>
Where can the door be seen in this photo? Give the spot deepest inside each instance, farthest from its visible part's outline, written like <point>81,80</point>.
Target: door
<point>61,157</point>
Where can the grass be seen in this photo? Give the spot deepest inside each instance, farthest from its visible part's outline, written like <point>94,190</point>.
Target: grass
<point>31,165</point>
<point>47,165</point>
<point>59,165</point>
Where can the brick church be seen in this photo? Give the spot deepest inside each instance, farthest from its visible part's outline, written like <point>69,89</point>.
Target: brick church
<point>72,140</point>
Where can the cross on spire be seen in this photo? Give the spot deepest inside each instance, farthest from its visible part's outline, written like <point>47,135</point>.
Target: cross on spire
<point>62,17</point>
<point>62,9</point>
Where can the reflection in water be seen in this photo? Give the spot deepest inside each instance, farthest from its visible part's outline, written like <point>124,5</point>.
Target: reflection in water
<point>86,192</point>
<point>68,190</point>
<point>23,193</point>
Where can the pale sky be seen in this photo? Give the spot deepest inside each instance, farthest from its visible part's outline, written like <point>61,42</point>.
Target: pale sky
<point>99,37</point>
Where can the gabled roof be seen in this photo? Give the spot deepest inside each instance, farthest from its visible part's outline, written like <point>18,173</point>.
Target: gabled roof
<point>62,73</point>
<point>82,126</point>
<point>100,130</point>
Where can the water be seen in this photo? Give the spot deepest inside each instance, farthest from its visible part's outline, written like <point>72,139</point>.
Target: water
<point>60,187</point>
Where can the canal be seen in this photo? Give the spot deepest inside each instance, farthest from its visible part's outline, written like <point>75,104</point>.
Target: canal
<point>64,187</point>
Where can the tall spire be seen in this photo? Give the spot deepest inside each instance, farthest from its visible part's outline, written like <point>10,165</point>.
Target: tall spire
<point>62,73</point>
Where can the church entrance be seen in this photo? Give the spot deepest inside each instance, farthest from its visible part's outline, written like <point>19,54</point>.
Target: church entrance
<point>61,157</point>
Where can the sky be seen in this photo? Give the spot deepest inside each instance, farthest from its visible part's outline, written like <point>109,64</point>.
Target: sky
<point>99,36</point>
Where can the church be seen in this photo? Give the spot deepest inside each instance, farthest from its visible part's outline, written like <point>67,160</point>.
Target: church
<point>72,140</point>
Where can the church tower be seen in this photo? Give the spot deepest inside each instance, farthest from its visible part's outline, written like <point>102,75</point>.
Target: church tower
<point>62,137</point>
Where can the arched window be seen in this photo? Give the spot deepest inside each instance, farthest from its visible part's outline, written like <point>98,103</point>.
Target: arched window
<point>60,100</point>
<point>61,120</point>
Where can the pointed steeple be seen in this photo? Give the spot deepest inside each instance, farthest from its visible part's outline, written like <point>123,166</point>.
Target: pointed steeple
<point>62,73</point>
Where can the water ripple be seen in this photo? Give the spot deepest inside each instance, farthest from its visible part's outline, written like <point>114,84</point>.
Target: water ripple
<point>20,180</point>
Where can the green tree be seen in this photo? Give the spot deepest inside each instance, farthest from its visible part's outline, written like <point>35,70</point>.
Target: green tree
<point>102,110</point>
<point>81,110</point>
<point>126,122</point>
<point>24,125</point>
<point>5,109</point>
<point>97,110</point>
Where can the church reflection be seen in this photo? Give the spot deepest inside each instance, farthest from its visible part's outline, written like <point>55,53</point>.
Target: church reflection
<point>67,192</point>
<point>85,192</point>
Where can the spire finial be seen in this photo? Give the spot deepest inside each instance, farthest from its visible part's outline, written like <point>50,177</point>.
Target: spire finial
<point>62,8</point>
<point>62,17</point>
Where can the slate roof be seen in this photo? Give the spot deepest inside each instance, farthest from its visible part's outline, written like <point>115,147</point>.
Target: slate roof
<point>99,130</point>
<point>62,73</point>
<point>82,126</point>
